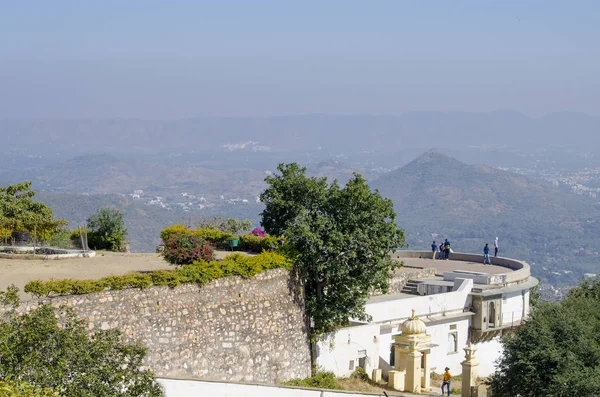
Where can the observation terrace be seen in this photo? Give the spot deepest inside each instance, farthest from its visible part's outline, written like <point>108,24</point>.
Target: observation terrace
<point>504,273</point>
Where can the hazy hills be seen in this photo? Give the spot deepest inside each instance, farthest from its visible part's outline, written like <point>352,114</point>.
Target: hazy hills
<point>473,204</point>
<point>106,174</point>
<point>416,131</point>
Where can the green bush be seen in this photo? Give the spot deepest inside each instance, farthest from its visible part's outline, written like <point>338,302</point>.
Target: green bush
<point>21,389</point>
<point>321,380</point>
<point>361,374</point>
<point>199,272</point>
<point>107,230</point>
<point>174,229</point>
<point>218,238</point>
<point>249,242</point>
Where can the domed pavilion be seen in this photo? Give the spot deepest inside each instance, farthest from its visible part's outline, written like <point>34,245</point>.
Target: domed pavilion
<point>411,350</point>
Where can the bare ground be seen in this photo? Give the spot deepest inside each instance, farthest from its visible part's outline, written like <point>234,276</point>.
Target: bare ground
<point>21,271</point>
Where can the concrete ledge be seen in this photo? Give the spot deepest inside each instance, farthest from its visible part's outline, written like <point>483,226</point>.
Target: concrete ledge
<point>517,271</point>
<point>57,253</point>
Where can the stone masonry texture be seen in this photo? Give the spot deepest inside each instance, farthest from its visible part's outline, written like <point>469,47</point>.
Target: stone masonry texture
<point>403,275</point>
<point>230,329</point>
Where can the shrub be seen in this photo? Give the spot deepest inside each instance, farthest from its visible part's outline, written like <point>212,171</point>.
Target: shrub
<point>22,389</point>
<point>185,248</point>
<point>226,225</point>
<point>107,230</point>
<point>174,229</point>
<point>258,232</point>
<point>321,380</point>
<point>200,272</point>
<point>60,238</point>
<point>165,277</point>
<point>361,374</point>
<point>249,242</point>
<point>218,238</point>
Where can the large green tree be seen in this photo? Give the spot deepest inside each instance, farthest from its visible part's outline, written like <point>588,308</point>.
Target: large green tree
<point>39,349</point>
<point>18,210</point>
<point>556,353</point>
<point>342,237</point>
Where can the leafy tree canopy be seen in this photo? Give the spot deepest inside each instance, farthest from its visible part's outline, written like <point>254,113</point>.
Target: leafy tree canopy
<point>107,230</point>
<point>556,353</point>
<point>19,211</point>
<point>342,237</point>
<point>38,349</point>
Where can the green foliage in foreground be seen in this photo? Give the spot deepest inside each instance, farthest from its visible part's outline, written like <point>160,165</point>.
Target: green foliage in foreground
<point>321,380</point>
<point>22,389</point>
<point>44,351</point>
<point>342,236</point>
<point>557,352</point>
<point>199,272</point>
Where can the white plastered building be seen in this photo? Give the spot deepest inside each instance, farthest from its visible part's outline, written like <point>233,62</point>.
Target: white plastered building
<point>465,302</point>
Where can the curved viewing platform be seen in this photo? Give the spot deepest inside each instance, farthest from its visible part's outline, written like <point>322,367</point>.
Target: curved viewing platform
<point>502,271</point>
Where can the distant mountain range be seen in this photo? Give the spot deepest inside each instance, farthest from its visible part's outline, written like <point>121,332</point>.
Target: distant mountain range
<point>438,197</point>
<point>334,134</point>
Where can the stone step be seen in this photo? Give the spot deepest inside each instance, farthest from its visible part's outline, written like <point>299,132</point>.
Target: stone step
<point>410,288</point>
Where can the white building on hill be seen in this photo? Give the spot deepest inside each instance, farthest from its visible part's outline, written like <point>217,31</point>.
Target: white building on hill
<point>465,302</point>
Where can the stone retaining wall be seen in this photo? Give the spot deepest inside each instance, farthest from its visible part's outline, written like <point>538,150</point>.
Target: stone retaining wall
<point>402,276</point>
<point>230,329</point>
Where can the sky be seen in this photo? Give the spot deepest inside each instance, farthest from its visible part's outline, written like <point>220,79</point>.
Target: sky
<point>179,59</point>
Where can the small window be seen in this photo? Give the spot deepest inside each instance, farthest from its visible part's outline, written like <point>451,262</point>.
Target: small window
<point>452,343</point>
<point>492,315</point>
<point>351,366</point>
<point>452,327</point>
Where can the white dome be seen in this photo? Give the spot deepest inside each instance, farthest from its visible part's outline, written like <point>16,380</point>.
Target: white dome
<point>413,326</point>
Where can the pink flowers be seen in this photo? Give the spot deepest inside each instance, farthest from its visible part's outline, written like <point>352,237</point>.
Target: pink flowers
<point>258,232</point>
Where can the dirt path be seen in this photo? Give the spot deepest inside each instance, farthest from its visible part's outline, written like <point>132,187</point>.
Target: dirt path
<point>20,271</point>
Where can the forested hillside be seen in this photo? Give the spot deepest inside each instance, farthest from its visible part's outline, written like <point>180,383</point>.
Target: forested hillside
<point>472,204</point>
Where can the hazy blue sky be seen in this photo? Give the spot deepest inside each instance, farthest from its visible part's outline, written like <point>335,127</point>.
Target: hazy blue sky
<point>175,59</point>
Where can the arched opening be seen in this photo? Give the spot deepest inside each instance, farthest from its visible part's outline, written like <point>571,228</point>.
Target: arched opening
<point>452,342</point>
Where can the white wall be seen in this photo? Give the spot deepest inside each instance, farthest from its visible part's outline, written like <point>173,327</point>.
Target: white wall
<point>441,357</point>
<point>338,349</point>
<point>487,353</point>
<point>387,310</point>
<point>512,308</point>
<point>191,388</point>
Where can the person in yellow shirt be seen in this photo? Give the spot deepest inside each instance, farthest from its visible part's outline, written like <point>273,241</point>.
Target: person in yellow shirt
<point>447,377</point>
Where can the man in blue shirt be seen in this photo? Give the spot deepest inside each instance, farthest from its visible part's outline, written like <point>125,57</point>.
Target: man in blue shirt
<point>447,247</point>
<point>434,249</point>
<point>486,255</point>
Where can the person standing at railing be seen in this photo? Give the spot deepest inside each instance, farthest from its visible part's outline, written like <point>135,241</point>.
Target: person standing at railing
<point>447,247</point>
<point>486,255</point>
<point>496,247</point>
<point>434,249</point>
